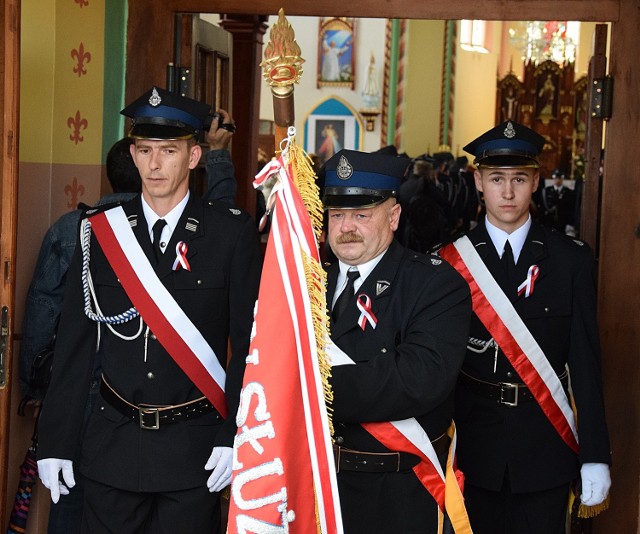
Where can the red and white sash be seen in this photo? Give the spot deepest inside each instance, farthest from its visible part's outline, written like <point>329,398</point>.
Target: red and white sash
<point>408,436</point>
<point>175,331</point>
<point>500,318</point>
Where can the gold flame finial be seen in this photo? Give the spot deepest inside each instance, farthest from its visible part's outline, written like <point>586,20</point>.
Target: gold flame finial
<point>282,65</point>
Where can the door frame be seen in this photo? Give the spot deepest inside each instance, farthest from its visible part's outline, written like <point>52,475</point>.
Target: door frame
<point>10,91</point>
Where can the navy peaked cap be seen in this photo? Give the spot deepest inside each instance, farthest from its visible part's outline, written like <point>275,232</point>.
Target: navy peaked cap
<point>509,144</point>
<point>161,114</point>
<point>355,179</point>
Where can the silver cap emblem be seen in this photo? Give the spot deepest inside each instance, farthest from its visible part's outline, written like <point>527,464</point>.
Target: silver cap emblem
<point>155,99</point>
<point>509,131</point>
<point>344,169</point>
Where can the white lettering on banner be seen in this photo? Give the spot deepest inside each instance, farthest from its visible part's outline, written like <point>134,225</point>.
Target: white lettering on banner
<point>246,524</point>
<point>252,436</point>
<point>253,358</point>
<point>270,468</point>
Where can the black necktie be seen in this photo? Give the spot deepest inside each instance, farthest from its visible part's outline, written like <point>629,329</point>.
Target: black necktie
<point>347,293</point>
<point>508,262</point>
<point>157,232</point>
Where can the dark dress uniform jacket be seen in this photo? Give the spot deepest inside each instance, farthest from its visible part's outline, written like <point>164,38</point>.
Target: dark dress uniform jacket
<point>561,316</point>
<point>406,367</point>
<point>218,295</point>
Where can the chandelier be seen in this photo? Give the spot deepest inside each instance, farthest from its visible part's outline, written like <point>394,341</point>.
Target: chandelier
<point>541,40</point>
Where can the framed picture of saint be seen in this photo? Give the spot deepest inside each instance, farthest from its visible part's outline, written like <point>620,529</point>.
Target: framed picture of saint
<point>336,53</point>
<point>547,89</point>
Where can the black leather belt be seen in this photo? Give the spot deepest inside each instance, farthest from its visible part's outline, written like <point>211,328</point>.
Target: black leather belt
<point>149,416</point>
<point>382,462</point>
<point>506,393</point>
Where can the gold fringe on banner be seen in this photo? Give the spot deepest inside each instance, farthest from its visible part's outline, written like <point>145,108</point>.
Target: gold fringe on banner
<point>305,181</point>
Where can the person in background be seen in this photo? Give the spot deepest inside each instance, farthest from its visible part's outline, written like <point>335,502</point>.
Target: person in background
<point>427,218</point>
<point>401,318</point>
<point>192,268</point>
<point>558,204</point>
<point>533,353</point>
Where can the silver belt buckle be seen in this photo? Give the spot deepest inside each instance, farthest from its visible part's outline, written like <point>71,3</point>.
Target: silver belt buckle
<point>144,410</point>
<point>509,386</point>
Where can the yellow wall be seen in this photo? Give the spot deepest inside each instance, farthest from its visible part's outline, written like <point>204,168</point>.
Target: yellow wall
<point>475,92</point>
<point>423,74</point>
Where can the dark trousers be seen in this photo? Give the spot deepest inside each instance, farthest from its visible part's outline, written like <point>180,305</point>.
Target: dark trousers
<point>503,512</point>
<point>65,517</point>
<point>113,511</point>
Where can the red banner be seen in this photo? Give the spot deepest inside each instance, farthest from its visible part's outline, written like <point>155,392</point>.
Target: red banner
<point>283,474</point>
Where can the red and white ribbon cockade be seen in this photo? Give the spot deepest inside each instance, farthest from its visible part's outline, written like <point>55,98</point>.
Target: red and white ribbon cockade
<point>284,478</point>
<point>526,287</point>
<point>166,319</point>
<point>181,257</point>
<point>502,321</point>
<point>366,313</point>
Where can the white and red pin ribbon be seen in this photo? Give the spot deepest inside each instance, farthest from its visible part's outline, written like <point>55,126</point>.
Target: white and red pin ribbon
<point>526,287</point>
<point>181,257</point>
<point>366,313</point>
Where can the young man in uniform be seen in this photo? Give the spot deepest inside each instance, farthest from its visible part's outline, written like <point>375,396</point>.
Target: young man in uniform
<point>533,353</point>
<point>157,290</point>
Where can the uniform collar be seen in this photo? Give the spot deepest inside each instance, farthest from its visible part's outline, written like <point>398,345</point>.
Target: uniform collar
<point>171,218</point>
<point>516,238</point>
<point>364,270</point>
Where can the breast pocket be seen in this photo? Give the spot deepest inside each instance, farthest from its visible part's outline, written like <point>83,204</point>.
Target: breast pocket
<point>203,293</point>
<point>551,297</point>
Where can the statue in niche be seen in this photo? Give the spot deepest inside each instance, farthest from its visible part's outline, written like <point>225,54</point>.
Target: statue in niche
<point>546,102</point>
<point>509,105</point>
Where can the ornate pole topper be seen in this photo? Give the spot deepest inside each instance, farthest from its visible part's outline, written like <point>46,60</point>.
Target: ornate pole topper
<point>281,68</point>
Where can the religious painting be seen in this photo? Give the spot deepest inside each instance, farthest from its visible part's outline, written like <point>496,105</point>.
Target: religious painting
<point>330,127</point>
<point>336,53</point>
<point>509,95</point>
<point>547,77</point>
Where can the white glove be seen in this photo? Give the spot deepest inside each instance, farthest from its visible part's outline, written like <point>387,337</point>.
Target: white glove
<point>596,482</point>
<point>48,471</point>
<point>220,461</point>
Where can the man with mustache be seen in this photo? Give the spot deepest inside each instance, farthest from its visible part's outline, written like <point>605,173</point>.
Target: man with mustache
<point>399,320</point>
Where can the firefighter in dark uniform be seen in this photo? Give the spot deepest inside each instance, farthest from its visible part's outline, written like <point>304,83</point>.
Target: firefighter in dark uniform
<point>407,353</point>
<point>155,451</point>
<point>517,467</point>
<point>558,203</point>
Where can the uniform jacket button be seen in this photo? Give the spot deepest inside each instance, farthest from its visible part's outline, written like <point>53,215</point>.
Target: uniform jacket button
<point>339,440</point>
<point>150,375</point>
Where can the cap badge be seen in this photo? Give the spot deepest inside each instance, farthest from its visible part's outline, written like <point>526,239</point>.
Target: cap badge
<point>344,169</point>
<point>155,99</point>
<point>509,131</point>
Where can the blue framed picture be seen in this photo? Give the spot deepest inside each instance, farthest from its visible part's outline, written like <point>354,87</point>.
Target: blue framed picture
<point>331,126</point>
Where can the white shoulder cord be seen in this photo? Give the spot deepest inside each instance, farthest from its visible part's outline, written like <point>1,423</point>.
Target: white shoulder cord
<point>90,294</point>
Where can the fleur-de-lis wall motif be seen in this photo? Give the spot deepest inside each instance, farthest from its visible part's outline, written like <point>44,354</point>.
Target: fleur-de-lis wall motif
<point>74,190</point>
<point>82,58</point>
<point>82,3</point>
<point>77,124</point>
